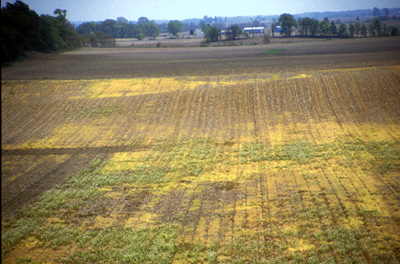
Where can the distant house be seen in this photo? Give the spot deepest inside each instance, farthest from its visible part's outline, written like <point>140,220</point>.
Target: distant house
<point>198,32</point>
<point>254,30</point>
<point>277,29</point>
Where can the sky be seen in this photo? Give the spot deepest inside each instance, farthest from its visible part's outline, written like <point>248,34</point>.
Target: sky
<point>100,10</point>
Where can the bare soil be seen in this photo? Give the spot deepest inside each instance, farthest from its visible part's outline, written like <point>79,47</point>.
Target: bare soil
<point>94,63</point>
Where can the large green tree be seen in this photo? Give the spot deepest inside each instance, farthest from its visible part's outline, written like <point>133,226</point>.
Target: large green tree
<point>87,27</point>
<point>174,27</point>
<point>333,29</point>
<point>287,22</point>
<point>234,31</point>
<point>19,31</point>
<point>342,31</point>
<point>308,26</point>
<point>93,39</point>
<point>110,27</point>
<point>363,31</point>
<point>377,26</point>
<point>212,33</point>
<point>351,30</point>
<point>149,29</point>
<point>357,29</point>
<point>324,27</point>
<point>23,31</point>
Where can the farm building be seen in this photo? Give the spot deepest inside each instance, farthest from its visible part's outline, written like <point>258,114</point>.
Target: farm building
<point>254,30</point>
<point>198,32</point>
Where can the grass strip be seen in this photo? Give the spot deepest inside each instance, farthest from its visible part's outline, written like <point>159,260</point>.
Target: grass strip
<point>274,52</point>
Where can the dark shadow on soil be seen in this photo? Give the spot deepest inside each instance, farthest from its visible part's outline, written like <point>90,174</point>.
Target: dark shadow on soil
<point>67,151</point>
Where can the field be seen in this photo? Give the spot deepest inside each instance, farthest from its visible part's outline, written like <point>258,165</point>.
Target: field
<point>282,153</point>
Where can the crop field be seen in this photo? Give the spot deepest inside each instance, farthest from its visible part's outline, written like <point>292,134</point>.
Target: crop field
<point>258,161</point>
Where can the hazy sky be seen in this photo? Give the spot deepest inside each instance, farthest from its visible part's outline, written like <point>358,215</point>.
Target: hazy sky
<point>91,10</point>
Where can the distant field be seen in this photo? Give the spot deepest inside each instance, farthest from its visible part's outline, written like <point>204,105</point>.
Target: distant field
<point>204,155</point>
<point>100,63</point>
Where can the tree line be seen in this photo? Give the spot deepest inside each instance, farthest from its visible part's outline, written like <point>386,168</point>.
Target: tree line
<point>122,28</point>
<point>23,31</point>
<point>312,27</point>
<point>308,27</point>
<point>119,28</point>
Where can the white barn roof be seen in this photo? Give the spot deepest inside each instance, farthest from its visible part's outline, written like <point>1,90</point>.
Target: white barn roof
<point>253,28</point>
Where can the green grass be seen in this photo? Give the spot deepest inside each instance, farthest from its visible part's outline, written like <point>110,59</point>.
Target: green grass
<point>126,245</point>
<point>274,52</point>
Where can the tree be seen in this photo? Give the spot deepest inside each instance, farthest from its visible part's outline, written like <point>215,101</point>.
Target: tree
<point>123,26</point>
<point>377,26</point>
<point>23,30</point>
<point>52,41</point>
<point>342,31</point>
<point>363,31</point>
<point>86,28</point>
<point>371,30</point>
<point>351,30</point>
<point>333,28</point>
<point>132,31</point>
<point>273,27</point>
<point>266,39</point>
<point>110,27</point>
<point>386,11</point>
<point>106,40</point>
<point>150,29</point>
<point>84,40</point>
<point>324,27</point>
<point>308,26</point>
<point>174,27</point>
<point>143,20</point>
<point>62,14</point>
<point>287,22</point>
<point>19,31</point>
<point>212,33</point>
<point>357,28</point>
<point>234,31</point>
<point>313,27</point>
<point>376,11</point>
<point>394,31</point>
<point>140,36</point>
<point>122,21</point>
<point>93,39</point>
<point>385,30</point>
